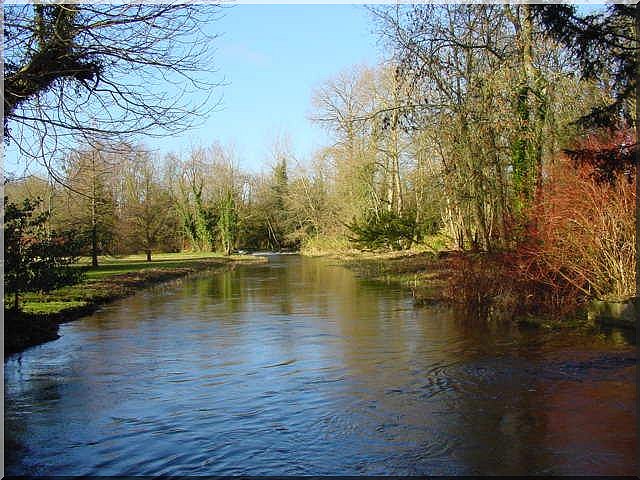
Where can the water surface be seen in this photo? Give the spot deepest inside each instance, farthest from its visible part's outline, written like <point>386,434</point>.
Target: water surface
<point>297,367</point>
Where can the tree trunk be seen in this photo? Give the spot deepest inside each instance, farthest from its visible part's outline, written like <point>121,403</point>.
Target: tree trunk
<point>94,220</point>
<point>16,302</point>
<point>94,235</point>
<point>532,117</point>
<point>148,255</point>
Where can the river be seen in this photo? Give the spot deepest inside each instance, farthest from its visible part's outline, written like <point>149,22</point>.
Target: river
<point>298,367</point>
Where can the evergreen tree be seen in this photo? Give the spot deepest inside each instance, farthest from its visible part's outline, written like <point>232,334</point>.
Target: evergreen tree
<point>35,260</point>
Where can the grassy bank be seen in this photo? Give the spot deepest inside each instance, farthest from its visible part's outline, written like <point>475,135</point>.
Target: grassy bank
<point>430,275</point>
<point>114,278</point>
<point>424,269</point>
<point>425,273</point>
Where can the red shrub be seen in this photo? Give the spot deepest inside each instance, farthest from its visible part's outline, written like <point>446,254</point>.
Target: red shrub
<point>586,230</point>
<point>579,243</point>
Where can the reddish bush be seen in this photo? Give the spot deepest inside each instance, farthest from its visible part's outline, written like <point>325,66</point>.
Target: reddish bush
<point>579,243</point>
<point>608,154</point>
<point>510,284</point>
<point>586,230</point>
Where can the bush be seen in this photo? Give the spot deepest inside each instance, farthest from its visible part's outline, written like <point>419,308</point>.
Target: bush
<point>578,244</point>
<point>510,284</point>
<point>584,230</point>
<point>36,259</point>
<point>383,230</point>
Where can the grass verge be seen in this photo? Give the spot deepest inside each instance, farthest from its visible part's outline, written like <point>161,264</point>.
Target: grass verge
<point>115,278</point>
<point>425,273</point>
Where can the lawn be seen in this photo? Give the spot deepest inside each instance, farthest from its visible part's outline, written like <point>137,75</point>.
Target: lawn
<point>118,277</point>
<point>108,266</point>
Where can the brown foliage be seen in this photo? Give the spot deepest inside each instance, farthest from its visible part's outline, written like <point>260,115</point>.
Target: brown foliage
<point>607,155</point>
<point>585,230</point>
<point>510,284</point>
<point>578,243</point>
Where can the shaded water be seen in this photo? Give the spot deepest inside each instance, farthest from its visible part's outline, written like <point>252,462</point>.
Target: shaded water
<point>297,367</point>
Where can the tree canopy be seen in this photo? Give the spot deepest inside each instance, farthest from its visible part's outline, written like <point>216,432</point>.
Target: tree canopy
<point>91,72</point>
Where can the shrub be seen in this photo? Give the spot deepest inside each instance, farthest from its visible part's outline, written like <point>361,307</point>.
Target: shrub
<point>36,259</point>
<point>383,230</point>
<point>584,230</point>
<point>578,243</point>
<point>509,284</point>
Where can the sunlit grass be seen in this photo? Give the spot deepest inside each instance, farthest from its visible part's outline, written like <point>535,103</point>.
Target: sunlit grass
<point>418,269</point>
<point>108,266</point>
<point>116,277</point>
<point>325,245</point>
<point>44,308</point>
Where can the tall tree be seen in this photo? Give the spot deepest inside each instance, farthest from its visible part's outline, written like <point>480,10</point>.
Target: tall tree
<point>189,179</point>
<point>147,208</point>
<point>91,202</point>
<point>605,44</point>
<point>227,222</point>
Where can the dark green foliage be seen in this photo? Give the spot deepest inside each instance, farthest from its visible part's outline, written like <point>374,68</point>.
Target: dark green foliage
<point>280,184</point>
<point>36,259</point>
<point>227,223</point>
<point>430,224</point>
<point>278,216</point>
<point>383,230</point>
<point>198,222</point>
<point>605,47</point>
<point>268,222</point>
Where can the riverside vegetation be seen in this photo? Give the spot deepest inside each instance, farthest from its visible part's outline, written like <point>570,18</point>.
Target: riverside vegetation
<point>497,142</point>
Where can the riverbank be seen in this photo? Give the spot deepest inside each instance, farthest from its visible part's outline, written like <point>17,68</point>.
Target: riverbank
<point>115,278</point>
<point>426,274</point>
<point>434,278</point>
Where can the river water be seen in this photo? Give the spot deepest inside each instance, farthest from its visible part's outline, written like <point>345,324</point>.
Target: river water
<point>297,367</point>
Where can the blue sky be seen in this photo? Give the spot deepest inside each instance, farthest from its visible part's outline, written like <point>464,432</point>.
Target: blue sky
<point>272,57</point>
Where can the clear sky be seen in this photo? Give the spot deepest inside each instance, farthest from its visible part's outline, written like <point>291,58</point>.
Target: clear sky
<point>272,56</point>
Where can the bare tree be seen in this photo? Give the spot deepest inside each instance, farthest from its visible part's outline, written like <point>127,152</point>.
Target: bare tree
<point>91,200</point>
<point>103,72</point>
<point>148,214</point>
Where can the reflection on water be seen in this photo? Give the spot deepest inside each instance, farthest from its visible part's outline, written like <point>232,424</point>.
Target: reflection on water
<point>296,367</point>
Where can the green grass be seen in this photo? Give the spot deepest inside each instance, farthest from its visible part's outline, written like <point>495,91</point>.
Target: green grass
<point>108,266</point>
<point>117,277</point>
<point>44,308</point>
<point>421,271</point>
<point>433,243</point>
